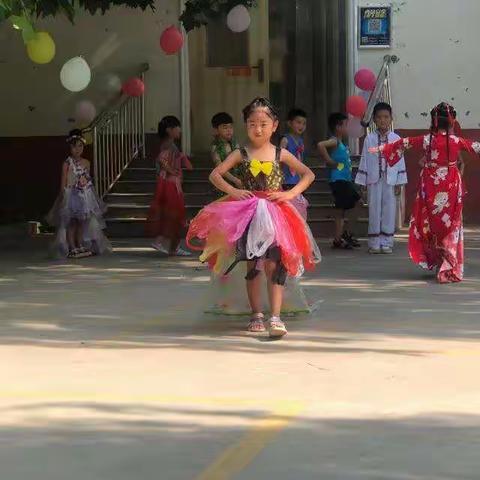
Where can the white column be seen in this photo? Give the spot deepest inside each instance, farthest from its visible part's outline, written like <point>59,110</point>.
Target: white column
<point>185,91</point>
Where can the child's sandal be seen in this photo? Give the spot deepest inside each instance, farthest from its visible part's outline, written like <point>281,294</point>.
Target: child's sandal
<point>256,323</point>
<point>277,328</point>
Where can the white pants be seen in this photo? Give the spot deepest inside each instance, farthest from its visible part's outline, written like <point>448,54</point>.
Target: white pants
<point>382,206</point>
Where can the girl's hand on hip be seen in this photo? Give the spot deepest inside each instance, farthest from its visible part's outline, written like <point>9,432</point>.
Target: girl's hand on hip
<point>281,196</point>
<point>239,194</point>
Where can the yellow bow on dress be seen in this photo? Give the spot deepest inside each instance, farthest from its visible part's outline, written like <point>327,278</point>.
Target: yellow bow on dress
<point>256,166</point>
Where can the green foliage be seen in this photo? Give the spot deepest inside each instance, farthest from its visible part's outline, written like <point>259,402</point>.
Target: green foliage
<point>52,8</point>
<point>201,12</point>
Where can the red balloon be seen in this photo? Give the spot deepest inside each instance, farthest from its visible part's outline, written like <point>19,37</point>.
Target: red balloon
<point>365,79</point>
<point>134,87</point>
<point>171,40</point>
<point>356,106</point>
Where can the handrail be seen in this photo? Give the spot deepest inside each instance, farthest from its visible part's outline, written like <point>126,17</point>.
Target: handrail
<point>118,137</point>
<point>382,88</point>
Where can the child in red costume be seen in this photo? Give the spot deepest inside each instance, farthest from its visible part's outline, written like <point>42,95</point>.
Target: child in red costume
<point>436,228</point>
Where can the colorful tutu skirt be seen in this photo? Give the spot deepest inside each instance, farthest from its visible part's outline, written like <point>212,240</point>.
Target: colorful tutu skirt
<point>230,231</point>
<point>166,216</point>
<point>83,205</point>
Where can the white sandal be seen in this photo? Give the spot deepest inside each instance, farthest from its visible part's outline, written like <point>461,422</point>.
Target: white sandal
<point>256,323</point>
<point>277,328</point>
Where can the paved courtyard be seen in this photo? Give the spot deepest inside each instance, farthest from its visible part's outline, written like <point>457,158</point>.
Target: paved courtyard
<point>110,371</point>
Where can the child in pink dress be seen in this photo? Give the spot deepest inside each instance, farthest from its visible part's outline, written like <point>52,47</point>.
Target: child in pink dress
<point>166,218</point>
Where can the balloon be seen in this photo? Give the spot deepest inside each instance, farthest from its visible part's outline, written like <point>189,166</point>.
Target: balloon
<point>88,138</point>
<point>365,79</point>
<point>85,111</point>
<point>75,74</point>
<point>238,19</point>
<point>110,84</point>
<point>171,40</point>
<point>41,49</point>
<point>133,87</point>
<point>355,128</point>
<point>356,106</point>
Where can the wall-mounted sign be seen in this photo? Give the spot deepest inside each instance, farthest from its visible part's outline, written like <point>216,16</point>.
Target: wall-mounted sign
<point>374,27</point>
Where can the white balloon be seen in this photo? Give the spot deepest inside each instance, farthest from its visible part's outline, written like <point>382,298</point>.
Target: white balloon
<point>75,74</point>
<point>355,128</point>
<point>110,84</point>
<point>85,111</point>
<point>238,19</point>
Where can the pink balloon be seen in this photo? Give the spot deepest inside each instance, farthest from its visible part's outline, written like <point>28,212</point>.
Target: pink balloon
<point>171,40</point>
<point>355,128</point>
<point>356,106</point>
<point>365,79</point>
<point>85,111</point>
<point>134,87</point>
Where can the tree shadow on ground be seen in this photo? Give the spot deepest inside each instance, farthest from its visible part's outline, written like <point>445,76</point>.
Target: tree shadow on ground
<point>138,300</point>
<point>108,440</point>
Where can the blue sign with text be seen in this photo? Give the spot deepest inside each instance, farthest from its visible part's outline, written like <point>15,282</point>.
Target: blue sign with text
<point>375,29</point>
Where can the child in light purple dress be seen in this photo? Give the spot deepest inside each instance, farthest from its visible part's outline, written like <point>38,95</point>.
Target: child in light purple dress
<point>78,211</point>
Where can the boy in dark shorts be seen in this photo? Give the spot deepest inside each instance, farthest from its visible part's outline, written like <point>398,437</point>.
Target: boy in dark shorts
<point>336,154</point>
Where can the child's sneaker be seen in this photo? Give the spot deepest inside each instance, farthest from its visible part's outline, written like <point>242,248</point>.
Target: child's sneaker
<point>256,324</point>
<point>180,252</point>
<point>374,251</point>
<point>158,246</point>
<point>341,244</point>
<point>277,328</point>
<point>387,250</point>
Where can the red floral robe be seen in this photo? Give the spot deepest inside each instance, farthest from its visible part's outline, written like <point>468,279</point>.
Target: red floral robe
<point>436,229</point>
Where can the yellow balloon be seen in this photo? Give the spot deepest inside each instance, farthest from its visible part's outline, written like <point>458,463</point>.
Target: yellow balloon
<point>88,137</point>
<point>41,49</point>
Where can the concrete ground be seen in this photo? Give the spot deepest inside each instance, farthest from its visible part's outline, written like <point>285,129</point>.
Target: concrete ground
<point>109,371</point>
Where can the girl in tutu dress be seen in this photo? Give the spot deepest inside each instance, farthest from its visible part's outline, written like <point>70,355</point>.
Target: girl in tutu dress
<point>166,217</point>
<point>258,224</point>
<point>436,227</point>
<point>78,211</point>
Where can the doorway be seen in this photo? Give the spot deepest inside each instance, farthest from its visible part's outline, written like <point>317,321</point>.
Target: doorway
<point>308,59</point>
<point>295,53</point>
<point>227,70</point>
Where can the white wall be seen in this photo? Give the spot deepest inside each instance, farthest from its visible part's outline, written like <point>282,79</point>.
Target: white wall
<point>437,42</point>
<point>118,42</point>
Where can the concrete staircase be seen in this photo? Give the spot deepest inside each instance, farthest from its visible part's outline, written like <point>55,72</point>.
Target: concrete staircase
<point>129,200</point>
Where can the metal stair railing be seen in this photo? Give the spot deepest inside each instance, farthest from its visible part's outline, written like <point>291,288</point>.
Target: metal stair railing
<point>118,135</point>
<point>382,91</point>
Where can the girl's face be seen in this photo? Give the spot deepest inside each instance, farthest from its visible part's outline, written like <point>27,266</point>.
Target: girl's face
<point>260,127</point>
<point>174,133</point>
<point>76,149</point>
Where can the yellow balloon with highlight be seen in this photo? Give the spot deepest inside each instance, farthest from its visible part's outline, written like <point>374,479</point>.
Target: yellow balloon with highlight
<point>41,49</point>
<point>88,137</point>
